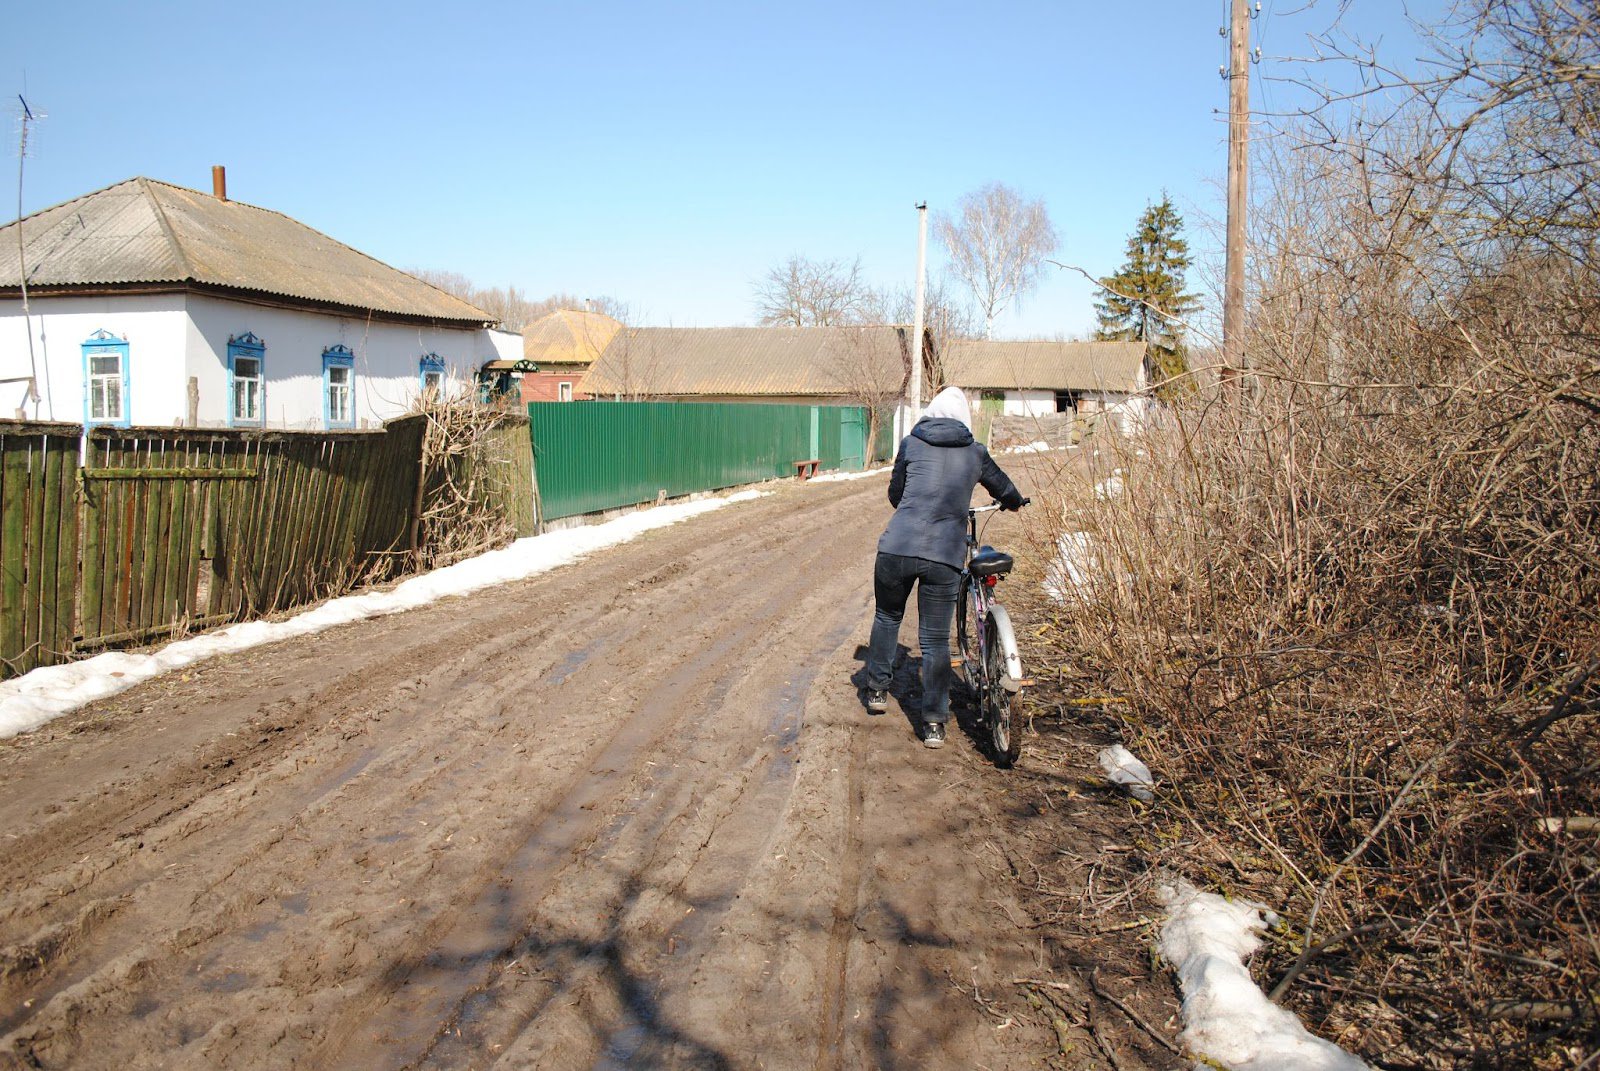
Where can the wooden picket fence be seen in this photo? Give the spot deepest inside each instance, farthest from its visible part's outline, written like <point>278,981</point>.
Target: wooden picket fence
<point>38,542</point>
<point>164,530</point>
<point>185,528</point>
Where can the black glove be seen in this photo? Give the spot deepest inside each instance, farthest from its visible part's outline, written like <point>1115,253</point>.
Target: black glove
<point>1013,502</point>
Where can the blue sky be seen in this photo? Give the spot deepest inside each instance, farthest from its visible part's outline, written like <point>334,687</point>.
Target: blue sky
<point>667,155</point>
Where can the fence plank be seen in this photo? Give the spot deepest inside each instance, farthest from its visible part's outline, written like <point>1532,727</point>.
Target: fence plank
<point>33,559</point>
<point>13,547</point>
<point>89,600</point>
<point>67,547</point>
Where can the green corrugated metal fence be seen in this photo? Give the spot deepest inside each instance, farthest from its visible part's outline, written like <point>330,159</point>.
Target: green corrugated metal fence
<point>593,456</point>
<point>884,444</point>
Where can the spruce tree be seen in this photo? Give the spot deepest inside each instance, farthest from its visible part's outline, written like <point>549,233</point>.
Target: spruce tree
<point>1145,299</point>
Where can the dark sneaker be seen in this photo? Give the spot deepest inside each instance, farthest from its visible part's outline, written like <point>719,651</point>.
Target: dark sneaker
<point>877,700</point>
<point>933,734</point>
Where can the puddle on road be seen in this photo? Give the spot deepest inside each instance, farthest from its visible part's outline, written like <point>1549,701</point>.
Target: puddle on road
<point>573,661</point>
<point>231,982</point>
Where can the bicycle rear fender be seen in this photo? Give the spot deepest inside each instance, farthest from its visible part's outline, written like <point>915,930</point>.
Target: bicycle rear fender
<point>1000,622</point>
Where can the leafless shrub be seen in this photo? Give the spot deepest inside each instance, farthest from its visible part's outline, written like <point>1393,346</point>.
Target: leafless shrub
<point>870,366</point>
<point>1356,606</point>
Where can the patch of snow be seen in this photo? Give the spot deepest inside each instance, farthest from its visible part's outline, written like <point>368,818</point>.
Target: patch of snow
<point>31,700</point>
<point>1207,939</point>
<point>833,477</point>
<point>1127,772</point>
<point>1030,448</point>
<point>1110,487</point>
<point>1067,575</point>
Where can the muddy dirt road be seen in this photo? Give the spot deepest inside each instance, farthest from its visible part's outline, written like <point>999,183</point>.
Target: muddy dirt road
<point>628,813</point>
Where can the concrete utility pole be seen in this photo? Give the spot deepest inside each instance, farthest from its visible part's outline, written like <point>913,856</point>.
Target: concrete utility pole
<point>915,390</point>
<point>1238,180</point>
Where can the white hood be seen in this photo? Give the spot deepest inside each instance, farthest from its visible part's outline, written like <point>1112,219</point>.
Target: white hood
<point>951,404</point>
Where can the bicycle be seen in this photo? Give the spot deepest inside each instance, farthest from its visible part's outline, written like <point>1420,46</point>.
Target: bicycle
<point>988,645</point>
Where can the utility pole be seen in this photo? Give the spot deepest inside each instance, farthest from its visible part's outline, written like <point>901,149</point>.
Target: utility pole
<point>1233,357</point>
<point>915,392</point>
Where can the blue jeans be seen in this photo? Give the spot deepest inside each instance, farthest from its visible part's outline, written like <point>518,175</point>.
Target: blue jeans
<point>937,584</point>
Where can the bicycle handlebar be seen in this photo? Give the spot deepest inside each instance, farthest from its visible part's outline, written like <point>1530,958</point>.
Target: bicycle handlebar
<point>991,507</point>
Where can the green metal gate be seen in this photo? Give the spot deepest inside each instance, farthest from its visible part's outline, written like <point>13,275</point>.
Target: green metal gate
<point>853,439</point>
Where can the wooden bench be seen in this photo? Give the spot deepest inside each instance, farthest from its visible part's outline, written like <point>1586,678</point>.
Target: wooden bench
<point>804,470</point>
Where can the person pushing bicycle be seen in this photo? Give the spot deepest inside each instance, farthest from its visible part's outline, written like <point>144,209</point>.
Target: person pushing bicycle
<point>935,470</point>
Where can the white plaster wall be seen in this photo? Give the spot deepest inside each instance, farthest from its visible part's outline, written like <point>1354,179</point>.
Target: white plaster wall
<point>1017,402</point>
<point>154,325</point>
<point>507,346</point>
<point>387,356</point>
<point>1029,402</point>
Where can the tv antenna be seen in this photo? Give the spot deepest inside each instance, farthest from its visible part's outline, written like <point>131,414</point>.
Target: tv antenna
<point>27,118</point>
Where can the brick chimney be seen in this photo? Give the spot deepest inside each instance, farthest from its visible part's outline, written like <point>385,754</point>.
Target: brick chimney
<point>219,182</point>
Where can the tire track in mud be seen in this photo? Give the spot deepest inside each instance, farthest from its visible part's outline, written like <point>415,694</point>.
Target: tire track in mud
<point>632,1043</point>
<point>341,773</point>
<point>690,700</point>
<point>841,934</point>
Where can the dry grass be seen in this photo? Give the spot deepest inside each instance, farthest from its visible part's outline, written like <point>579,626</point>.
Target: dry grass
<point>1355,604</point>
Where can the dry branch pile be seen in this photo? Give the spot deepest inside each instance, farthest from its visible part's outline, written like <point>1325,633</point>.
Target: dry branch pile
<point>464,509</point>
<point>1356,598</point>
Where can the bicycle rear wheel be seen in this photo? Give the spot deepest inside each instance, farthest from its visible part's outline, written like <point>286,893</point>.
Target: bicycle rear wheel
<point>967,631</point>
<point>1002,712</point>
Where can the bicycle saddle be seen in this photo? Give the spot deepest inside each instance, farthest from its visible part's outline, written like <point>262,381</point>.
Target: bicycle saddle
<point>989,562</point>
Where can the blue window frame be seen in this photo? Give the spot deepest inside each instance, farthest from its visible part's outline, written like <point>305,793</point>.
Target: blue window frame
<point>247,381</point>
<point>105,379</point>
<point>430,373</point>
<point>338,387</point>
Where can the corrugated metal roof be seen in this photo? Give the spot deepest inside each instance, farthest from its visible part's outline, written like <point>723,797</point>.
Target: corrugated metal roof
<point>1104,366</point>
<point>568,337</point>
<point>754,361</point>
<point>144,231</point>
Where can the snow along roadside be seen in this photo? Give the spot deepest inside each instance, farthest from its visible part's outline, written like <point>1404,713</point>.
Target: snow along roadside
<point>835,477</point>
<point>1227,1019</point>
<point>31,700</point>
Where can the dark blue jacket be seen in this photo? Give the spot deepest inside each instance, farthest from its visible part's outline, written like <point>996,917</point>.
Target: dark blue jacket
<point>937,467</point>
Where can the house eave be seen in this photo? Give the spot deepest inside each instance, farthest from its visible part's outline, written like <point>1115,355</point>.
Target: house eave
<point>250,297</point>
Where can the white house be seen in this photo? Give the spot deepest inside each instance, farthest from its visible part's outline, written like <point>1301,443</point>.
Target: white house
<point>152,304</point>
<point>1099,380</point>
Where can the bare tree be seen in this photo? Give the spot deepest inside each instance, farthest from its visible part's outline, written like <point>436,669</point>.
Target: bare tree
<point>802,292</point>
<point>945,317</point>
<point>871,366</point>
<point>510,305</point>
<point>997,241</point>
<point>632,367</point>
